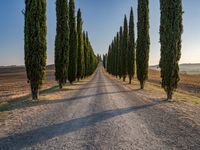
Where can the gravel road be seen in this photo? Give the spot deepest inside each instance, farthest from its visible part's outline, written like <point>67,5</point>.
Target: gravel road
<point>102,114</point>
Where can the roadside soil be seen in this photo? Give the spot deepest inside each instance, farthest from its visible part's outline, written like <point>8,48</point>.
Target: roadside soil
<point>13,83</point>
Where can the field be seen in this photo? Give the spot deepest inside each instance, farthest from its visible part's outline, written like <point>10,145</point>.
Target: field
<point>189,78</point>
<point>13,82</point>
<point>189,69</point>
<point>188,83</point>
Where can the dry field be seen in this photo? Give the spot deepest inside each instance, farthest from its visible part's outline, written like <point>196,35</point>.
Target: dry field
<point>13,82</point>
<point>188,83</point>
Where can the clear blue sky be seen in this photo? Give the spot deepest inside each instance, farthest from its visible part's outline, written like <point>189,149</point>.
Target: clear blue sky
<point>102,19</point>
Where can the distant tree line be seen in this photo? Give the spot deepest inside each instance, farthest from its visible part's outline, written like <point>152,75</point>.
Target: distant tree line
<point>74,55</point>
<point>126,56</point>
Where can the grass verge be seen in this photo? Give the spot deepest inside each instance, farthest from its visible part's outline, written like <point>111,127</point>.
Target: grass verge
<point>179,95</point>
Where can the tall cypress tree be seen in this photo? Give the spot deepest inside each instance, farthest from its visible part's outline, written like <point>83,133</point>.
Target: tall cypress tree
<point>171,29</point>
<point>143,42</point>
<point>117,55</point>
<point>81,61</point>
<point>35,43</point>
<point>120,51</point>
<point>131,48</point>
<point>85,54</point>
<point>125,49</point>
<point>73,52</point>
<point>88,48</point>
<point>62,42</point>
<point>114,55</point>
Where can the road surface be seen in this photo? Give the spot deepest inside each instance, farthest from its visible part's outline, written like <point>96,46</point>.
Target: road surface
<point>102,114</point>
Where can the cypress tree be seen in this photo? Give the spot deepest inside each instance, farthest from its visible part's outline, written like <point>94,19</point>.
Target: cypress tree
<point>120,51</point>
<point>35,43</point>
<point>91,61</point>
<point>104,61</point>
<point>109,60</point>
<point>73,52</point>
<point>117,55</point>
<point>143,42</point>
<point>114,56</point>
<point>81,63</point>
<point>171,29</point>
<point>88,53</point>
<point>125,49</point>
<point>85,54</point>
<point>62,42</point>
<point>131,48</point>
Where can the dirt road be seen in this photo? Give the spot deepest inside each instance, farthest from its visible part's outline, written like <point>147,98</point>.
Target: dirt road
<point>100,115</point>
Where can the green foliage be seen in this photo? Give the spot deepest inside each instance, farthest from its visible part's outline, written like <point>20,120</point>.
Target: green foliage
<point>112,60</point>
<point>125,49</point>
<point>85,53</point>
<point>62,42</point>
<point>131,48</point>
<point>81,60</point>
<point>91,60</point>
<point>73,42</point>
<point>143,42</point>
<point>171,29</point>
<point>120,43</point>
<point>35,43</point>
<point>117,55</point>
<point>105,59</point>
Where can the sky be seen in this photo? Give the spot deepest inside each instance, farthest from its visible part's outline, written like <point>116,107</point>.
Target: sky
<point>102,19</point>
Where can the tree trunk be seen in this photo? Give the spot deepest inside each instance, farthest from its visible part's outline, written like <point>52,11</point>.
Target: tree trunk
<point>35,93</point>
<point>169,95</point>
<point>60,85</point>
<point>124,79</point>
<point>142,85</point>
<point>130,80</point>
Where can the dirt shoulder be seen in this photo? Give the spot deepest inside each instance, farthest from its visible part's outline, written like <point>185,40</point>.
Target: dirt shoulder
<point>184,103</point>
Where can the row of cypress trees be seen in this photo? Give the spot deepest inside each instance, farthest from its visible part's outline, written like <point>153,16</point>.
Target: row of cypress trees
<point>74,55</point>
<point>120,60</point>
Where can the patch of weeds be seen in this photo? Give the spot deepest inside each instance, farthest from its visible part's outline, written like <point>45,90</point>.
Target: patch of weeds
<point>4,106</point>
<point>19,103</point>
<point>186,98</point>
<point>50,90</point>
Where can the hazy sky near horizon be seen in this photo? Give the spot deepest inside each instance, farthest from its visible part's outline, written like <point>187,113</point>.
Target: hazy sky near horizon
<point>102,19</point>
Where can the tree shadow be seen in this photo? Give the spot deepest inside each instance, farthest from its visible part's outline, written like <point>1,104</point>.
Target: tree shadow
<point>93,87</point>
<point>50,90</point>
<point>22,103</point>
<point>30,138</point>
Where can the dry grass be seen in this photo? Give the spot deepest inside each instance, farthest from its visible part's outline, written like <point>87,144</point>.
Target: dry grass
<point>21,93</point>
<point>188,83</point>
<point>184,79</point>
<point>153,90</point>
<point>13,85</point>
